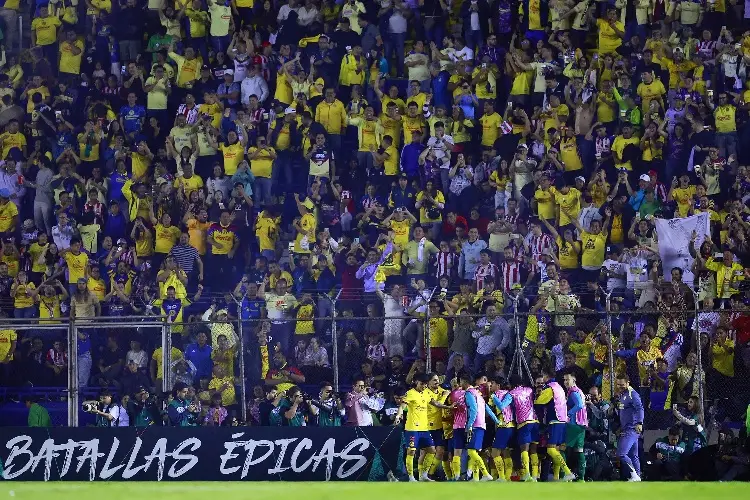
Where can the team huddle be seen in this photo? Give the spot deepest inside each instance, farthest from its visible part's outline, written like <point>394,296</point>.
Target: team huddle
<point>443,423</point>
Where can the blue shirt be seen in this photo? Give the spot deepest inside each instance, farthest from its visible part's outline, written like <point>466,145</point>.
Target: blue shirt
<point>132,117</point>
<point>201,358</point>
<point>250,308</point>
<point>116,181</point>
<point>440,94</point>
<point>630,409</point>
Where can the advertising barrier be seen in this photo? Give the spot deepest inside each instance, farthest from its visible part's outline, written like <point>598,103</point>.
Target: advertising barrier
<point>199,454</point>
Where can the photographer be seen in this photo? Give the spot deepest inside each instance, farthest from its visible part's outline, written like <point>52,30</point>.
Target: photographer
<point>290,411</point>
<point>329,408</point>
<point>182,411</point>
<point>142,408</point>
<point>107,413</point>
<point>668,452</point>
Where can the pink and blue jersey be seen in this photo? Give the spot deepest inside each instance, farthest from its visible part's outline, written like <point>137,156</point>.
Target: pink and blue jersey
<point>523,405</point>
<point>460,415</point>
<point>577,407</point>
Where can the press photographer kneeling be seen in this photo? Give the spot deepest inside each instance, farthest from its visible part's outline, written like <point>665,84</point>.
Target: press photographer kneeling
<point>107,412</point>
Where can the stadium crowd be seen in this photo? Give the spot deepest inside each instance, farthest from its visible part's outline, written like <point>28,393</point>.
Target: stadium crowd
<point>400,168</point>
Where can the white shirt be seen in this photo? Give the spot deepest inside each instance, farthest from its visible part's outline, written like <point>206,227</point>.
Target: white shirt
<point>139,358</point>
<point>615,267</point>
<point>440,149</point>
<point>124,417</point>
<point>306,16</point>
<point>284,12</point>
<point>397,22</point>
<point>62,236</point>
<point>253,85</point>
<point>465,54</point>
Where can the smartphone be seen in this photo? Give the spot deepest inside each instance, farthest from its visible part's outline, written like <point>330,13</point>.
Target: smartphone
<point>710,93</point>
<point>356,240</point>
<point>291,246</point>
<point>123,69</point>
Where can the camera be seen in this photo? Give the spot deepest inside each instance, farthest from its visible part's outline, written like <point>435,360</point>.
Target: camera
<point>90,406</point>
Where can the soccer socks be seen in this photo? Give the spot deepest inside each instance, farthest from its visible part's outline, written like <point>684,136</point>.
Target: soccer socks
<point>508,468</point>
<point>456,465</point>
<point>556,462</point>
<point>534,465</point>
<point>434,466</point>
<point>429,459</point>
<point>410,465</point>
<point>448,469</point>
<point>581,465</point>
<point>525,463</point>
<point>478,463</point>
<point>500,466</point>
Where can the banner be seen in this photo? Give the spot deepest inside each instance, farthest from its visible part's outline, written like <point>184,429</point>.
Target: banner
<point>674,238</point>
<point>199,453</point>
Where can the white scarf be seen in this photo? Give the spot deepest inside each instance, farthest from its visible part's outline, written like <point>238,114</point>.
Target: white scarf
<point>420,249</point>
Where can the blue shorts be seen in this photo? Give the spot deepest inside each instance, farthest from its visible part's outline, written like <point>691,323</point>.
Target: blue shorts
<point>437,437</point>
<point>449,445</point>
<point>460,441</point>
<point>503,437</point>
<point>556,434</point>
<point>416,440</point>
<point>528,434</point>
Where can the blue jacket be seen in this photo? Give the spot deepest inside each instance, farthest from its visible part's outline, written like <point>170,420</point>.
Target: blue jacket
<point>410,158</point>
<point>246,177</point>
<point>630,409</point>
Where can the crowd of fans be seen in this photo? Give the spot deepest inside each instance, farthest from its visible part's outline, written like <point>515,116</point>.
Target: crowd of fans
<point>413,167</point>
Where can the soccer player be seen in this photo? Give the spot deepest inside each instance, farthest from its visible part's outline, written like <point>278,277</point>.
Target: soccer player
<point>471,413</point>
<point>502,400</point>
<point>448,434</point>
<point>553,397</point>
<point>630,411</point>
<point>416,430</point>
<point>527,427</point>
<point>578,421</point>
<point>435,423</point>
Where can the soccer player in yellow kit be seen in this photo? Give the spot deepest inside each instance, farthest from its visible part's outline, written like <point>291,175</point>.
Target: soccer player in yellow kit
<point>435,423</point>
<point>416,431</point>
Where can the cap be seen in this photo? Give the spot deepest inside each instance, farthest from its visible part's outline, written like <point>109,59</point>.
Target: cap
<point>205,67</point>
<point>523,145</point>
<point>290,111</point>
<point>580,178</point>
<point>652,174</point>
<point>140,389</point>
<point>645,177</point>
<point>228,72</point>
<point>82,280</point>
<point>404,176</point>
<point>28,223</point>
<point>122,241</point>
<point>308,204</point>
<point>4,193</point>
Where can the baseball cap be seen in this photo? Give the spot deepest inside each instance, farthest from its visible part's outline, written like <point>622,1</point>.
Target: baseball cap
<point>652,174</point>
<point>580,178</point>
<point>28,223</point>
<point>645,177</point>
<point>290,111</point>
<point>229,71</point>
<point>308,204</point>
<point>82,280</point>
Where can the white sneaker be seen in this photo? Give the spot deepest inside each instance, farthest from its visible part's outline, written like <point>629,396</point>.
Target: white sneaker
<point>568,478</point>
<point>487,477</point>
<point>500,480</point>
<point>391,477</point>
<point>412,479</point>
<point>634,478</point>
<point>425,478</point>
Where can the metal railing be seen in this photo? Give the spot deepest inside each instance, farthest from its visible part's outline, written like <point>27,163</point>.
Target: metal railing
<point>519,347</point>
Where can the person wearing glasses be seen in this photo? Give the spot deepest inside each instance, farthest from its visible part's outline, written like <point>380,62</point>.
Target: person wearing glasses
<point>360,404</point>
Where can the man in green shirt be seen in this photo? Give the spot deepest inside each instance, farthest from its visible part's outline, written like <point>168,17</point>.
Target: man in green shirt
<point>38,415</point>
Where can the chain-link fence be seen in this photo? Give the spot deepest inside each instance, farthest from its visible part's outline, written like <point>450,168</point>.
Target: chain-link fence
<point>664,358</point>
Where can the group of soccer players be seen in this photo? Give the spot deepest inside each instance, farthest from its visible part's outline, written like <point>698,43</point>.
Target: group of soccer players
<point>442,423</point>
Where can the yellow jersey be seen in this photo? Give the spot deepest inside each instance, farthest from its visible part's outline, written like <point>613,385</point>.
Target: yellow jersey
<point>76,266</point>
<point>435,414</point>
<point>417,404</point>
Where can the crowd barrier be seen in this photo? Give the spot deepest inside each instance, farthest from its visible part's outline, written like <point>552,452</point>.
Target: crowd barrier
<point>343,367</point>
<point>199,453</point>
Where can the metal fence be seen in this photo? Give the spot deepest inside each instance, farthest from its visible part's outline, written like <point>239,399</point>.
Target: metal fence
<point>530,342</point>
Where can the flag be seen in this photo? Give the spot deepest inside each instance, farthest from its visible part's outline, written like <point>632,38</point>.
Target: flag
<point>674,238</point>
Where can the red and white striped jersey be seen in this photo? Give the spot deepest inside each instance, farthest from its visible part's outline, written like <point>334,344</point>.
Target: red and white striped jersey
<point>510,274</point>
<point>485,273</point>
